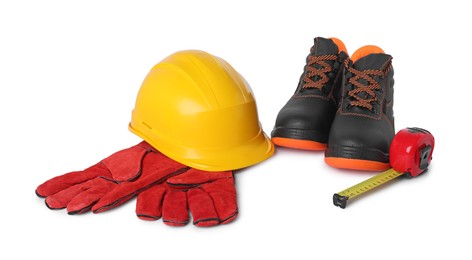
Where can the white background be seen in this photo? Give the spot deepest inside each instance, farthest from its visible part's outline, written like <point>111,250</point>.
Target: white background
<point>70,72</point>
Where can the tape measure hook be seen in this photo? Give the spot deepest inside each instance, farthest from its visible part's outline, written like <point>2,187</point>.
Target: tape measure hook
<point>340,201</point>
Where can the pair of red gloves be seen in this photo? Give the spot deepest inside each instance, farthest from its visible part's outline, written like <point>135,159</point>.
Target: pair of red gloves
<point>165,188</point>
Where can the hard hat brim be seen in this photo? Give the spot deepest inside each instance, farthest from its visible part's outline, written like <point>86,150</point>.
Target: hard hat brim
<point>252,152</point>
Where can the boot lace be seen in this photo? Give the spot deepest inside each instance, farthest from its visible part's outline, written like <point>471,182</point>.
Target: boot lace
<point>317,66</point>
<point>369,89</point>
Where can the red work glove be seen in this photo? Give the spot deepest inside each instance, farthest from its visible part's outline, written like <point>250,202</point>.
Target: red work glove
<point>210,197</point>
<point>110,182</point>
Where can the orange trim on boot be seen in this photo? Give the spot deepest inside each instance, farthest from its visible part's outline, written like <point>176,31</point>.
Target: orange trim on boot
<point>340,44</point>
<point>356,164</point>
<point>364,51</point>
<point>298,144</point>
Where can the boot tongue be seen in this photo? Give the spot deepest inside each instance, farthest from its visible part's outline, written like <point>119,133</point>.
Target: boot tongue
<point>373,61</point>
<point>324,46</point>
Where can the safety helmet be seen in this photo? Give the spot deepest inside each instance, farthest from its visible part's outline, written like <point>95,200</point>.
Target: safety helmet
<point>197,110</point>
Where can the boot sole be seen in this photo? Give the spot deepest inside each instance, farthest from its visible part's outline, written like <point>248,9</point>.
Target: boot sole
<point>299,144</point>
<point>299,139</point>
<point>356,159</point>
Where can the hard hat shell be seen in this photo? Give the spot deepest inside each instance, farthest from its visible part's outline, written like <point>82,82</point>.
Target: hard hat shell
<point>196,109</point>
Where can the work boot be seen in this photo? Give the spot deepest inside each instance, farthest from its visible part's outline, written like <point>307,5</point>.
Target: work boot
<point>363,127</point>
<point>304,122</point>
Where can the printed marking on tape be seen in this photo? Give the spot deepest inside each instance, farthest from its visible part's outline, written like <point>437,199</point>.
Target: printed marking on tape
<point>340,199</point>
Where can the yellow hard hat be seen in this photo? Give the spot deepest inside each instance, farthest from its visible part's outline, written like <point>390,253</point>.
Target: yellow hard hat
<point>196,109</point>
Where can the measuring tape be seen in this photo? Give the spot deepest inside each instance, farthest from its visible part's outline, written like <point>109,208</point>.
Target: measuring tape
<point>410,155</point>
<point>340,198</point>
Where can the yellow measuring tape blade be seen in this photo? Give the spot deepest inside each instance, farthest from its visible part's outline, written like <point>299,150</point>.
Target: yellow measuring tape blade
<point>340,198</point>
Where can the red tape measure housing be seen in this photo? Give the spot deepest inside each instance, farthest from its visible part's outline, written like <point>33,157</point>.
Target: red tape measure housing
<point>411,151</point>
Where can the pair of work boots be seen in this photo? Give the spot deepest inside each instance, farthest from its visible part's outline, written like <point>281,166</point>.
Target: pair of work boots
<point>343,105</point>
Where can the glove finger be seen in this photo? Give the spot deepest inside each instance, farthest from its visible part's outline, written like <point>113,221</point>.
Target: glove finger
<point>86,199</point>
<point>223,194</point>
<point>70,179</point>
<point>202,208</point>
<point>175,209</point>
<point>62,198</point>
<point>149,203</point>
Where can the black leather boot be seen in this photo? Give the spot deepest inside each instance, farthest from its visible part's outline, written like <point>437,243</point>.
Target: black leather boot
<point>304,122</point>
<point>363,127</point>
